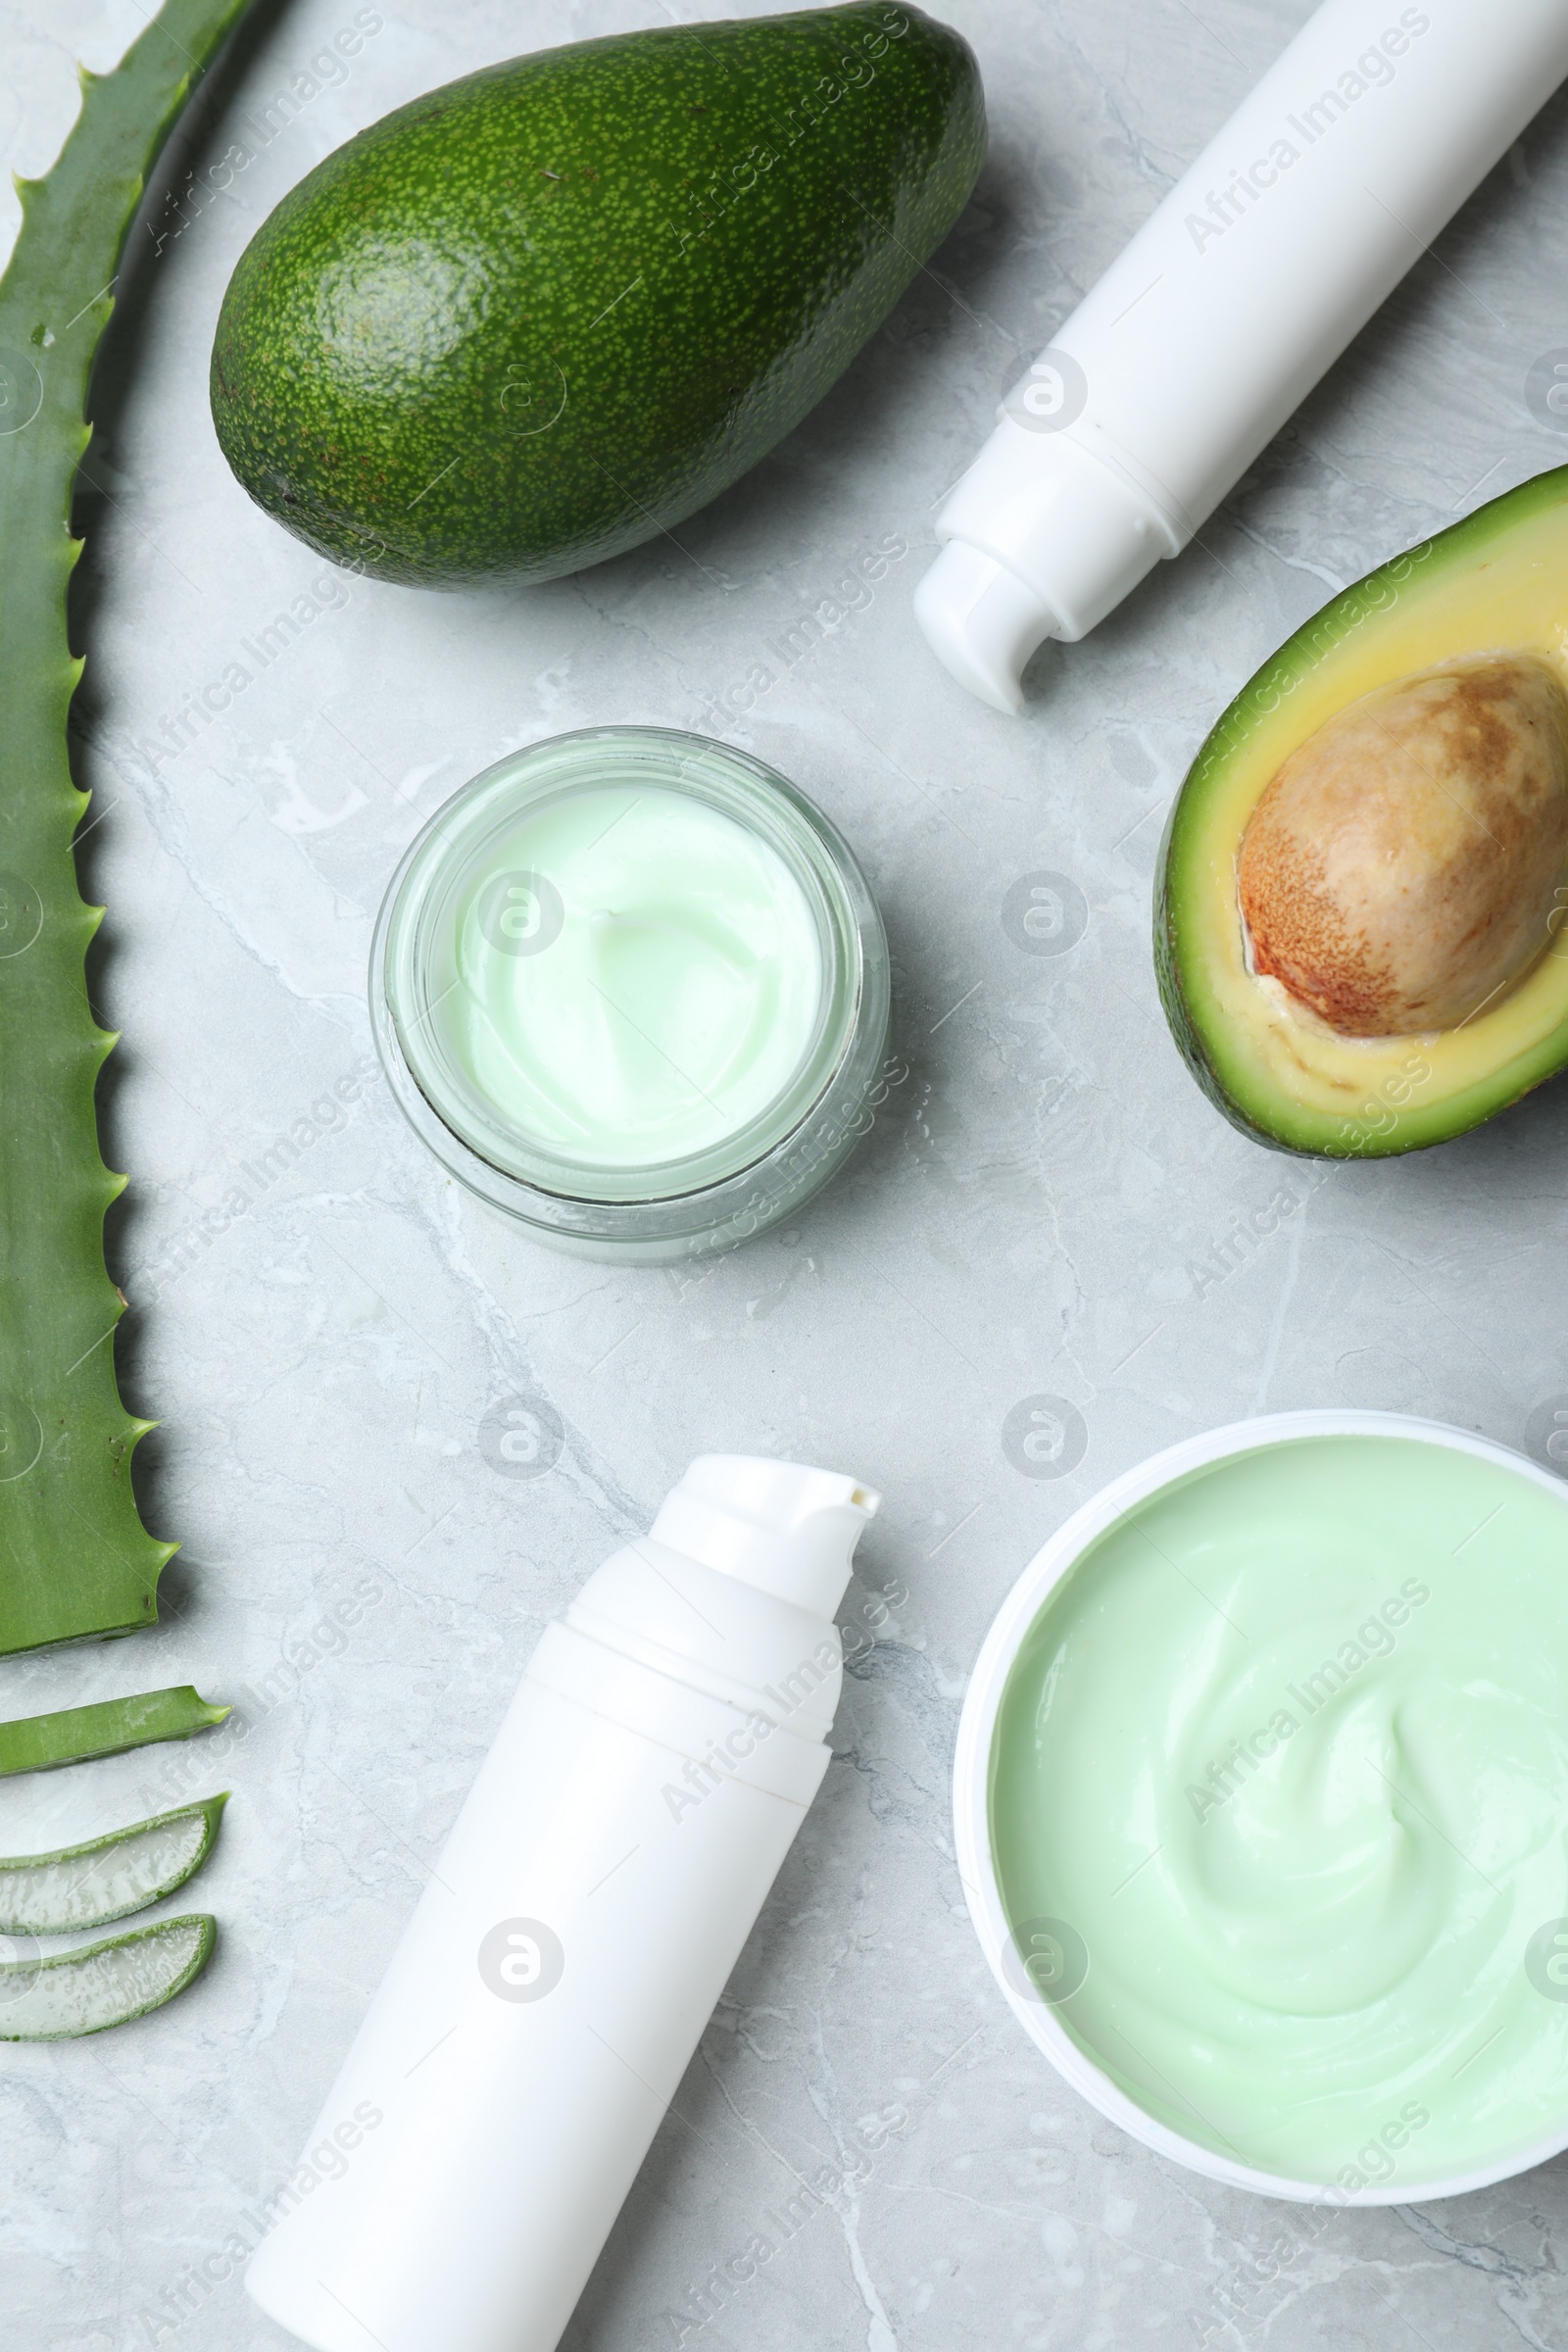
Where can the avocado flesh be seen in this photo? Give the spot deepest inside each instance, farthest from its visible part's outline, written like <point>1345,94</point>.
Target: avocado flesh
<point>1399,872</point>
<point>543,314</point>
<point>1490,591</point>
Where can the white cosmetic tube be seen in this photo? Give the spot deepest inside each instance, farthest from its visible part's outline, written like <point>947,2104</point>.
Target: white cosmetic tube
<point>1190,352</point>
<point>603,1876</point>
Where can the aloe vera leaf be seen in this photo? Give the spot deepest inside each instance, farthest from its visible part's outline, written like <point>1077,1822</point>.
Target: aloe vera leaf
<point>69,1736</point>
<point>74,1558</point>
<point>81,1887</point>
<point>106,1983</point>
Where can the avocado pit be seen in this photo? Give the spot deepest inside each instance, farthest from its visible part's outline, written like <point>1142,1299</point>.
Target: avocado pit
<point>1399,870</point>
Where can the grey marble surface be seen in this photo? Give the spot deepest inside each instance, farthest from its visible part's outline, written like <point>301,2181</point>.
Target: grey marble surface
<point>1042,1209</point>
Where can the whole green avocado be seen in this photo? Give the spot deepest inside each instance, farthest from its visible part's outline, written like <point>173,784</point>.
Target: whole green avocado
<point>545,312</point>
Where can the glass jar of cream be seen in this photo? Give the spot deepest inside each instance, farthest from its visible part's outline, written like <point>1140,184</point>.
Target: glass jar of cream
<point>630,986</point>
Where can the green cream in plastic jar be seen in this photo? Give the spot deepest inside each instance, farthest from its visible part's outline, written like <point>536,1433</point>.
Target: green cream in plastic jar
<point>631,987</point>
<point>1277,1801</point>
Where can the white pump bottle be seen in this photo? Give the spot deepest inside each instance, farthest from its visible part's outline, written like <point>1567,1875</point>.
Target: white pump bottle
<point>1213,324</point>
<point>580,1924</point>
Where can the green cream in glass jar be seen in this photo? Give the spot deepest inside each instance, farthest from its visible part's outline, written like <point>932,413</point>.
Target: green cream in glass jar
<point>631,987</point>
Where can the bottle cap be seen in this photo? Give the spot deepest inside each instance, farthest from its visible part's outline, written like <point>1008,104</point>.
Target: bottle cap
<point>1043,537</point>
<point>778,1525</point>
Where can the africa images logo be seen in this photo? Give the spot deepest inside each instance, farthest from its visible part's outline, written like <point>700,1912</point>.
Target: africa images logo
<point>1373,69</point>
<point>1049,396</point>
<point>521,1437</point>
<point>521,1960</point>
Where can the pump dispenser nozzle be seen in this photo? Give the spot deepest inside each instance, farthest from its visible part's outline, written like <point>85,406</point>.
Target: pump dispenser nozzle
<point>786,1529</point>
<point>1043,537</point>
<point>982,623</point>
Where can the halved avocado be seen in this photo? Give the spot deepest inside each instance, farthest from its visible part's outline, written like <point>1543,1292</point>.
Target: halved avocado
<point>1471,627</point>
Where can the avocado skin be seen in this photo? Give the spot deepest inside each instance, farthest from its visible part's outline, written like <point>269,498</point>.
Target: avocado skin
<point>545,312</point>
<point>1477,540</point>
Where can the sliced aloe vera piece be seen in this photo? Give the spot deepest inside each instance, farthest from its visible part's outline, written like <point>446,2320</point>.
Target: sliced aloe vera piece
<point>82,1886</point>
<point>104,1984</point>
<point>35,1743</point>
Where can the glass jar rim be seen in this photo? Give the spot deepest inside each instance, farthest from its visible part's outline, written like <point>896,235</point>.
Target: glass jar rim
<point>541,1183</point>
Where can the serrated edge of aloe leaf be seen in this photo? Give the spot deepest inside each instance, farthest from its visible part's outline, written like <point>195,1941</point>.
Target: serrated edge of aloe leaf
<point>205,1944</point>
<point>77,1561</point>
<point>108,1726</point>
<point>209,1809</point>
